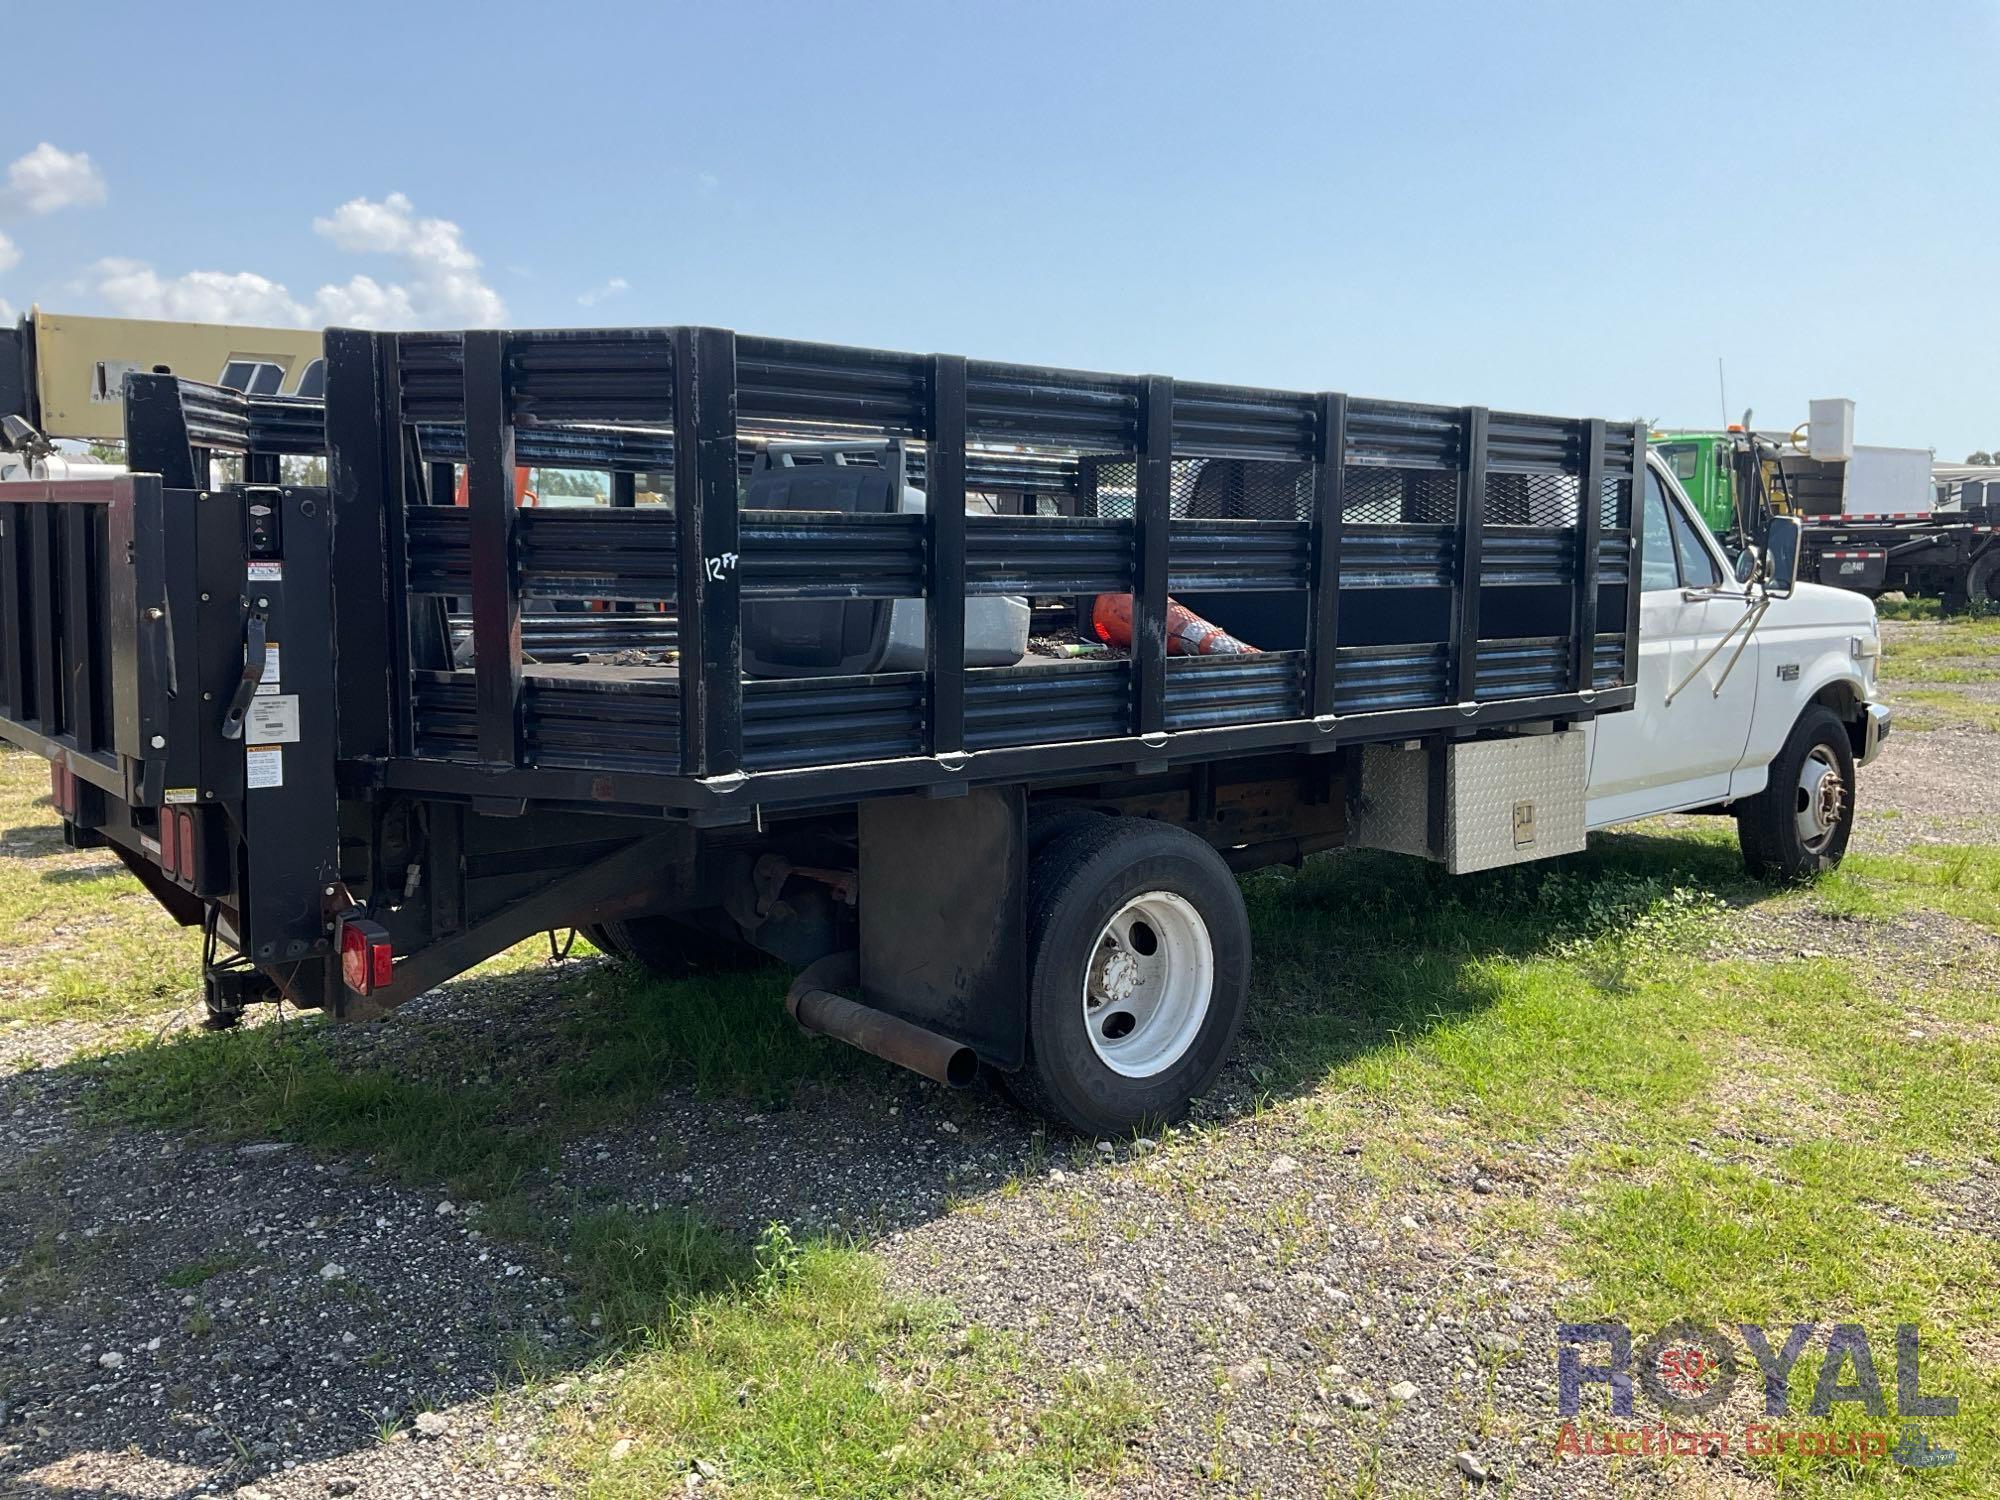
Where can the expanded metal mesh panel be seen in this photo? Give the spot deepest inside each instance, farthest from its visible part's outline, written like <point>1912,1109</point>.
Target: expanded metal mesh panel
<point>1117,490</point>
<point>1548,500</point>
<point>1213,489</point>
<point>1614,511</point>
<point>1399,497</point>
<point>1242,490</point>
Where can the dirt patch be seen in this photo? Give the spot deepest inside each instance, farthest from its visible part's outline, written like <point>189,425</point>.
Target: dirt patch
<point>1915,947</point>
<point>1937,786</point>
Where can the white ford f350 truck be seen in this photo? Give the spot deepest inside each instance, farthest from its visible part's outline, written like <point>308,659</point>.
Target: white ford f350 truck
<point>1473,636</point>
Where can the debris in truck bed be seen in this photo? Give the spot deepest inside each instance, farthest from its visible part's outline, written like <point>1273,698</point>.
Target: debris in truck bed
<point>630,656</point>
<point>1064,642</point>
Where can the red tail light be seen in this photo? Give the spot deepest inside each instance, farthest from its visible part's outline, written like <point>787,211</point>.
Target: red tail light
<point>184,824</point>
<point>170,854</point>
<point>367,957</point>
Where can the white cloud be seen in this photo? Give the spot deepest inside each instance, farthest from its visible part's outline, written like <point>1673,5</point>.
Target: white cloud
<point>135,290</point>
<point>364,303</point>
<point>445,286</point>
<point>10,254</point>
<point>49,178</point>
<point>708,182</point>
<point>603,293</point>
<point>441,287</point>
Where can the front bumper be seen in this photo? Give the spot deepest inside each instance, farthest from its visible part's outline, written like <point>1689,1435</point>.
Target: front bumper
<point>1880,721</point>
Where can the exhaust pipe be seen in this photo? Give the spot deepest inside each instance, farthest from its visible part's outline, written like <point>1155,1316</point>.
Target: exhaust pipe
<point>816,1008</point>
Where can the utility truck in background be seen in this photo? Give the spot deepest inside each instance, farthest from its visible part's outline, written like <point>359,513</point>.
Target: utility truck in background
<point>1465,635</point>
<point>1876,519</point>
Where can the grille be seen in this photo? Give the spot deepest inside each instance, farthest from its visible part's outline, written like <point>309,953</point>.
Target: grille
<point>1531,500</point>
<point>1407,497</point>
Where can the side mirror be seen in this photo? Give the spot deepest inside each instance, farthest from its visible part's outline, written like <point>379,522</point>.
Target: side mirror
<point>1748,561</point>
<point>1781,554</point>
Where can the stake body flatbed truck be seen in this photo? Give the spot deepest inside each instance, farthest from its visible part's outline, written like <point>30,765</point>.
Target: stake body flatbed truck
<point>1478,634</point>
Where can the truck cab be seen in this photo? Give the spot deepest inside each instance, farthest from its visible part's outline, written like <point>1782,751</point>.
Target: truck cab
<point>1753,699</point>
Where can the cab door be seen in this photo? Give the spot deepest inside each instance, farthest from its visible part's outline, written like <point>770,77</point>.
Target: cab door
<point>1660,755</point>
<point>1724,663</point>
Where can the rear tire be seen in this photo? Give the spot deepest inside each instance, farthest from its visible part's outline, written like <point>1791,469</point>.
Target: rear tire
<point>600,939</point>
<point>1798,826</point>
<point>1139,970</point>
<point>1058,820</point>
<point>673,948</point>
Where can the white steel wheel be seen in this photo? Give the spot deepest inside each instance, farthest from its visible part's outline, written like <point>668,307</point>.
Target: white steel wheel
<point>1822,799</point>
<point>1147,988</point>
<point>1138,973</point>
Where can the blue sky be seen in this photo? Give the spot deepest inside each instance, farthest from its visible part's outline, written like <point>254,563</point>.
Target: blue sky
<point>1567,208</point>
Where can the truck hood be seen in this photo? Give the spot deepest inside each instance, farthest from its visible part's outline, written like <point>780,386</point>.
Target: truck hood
<point>1816,604</point>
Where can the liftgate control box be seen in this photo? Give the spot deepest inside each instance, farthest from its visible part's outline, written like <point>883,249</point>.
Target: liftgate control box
<point>1473,805</point>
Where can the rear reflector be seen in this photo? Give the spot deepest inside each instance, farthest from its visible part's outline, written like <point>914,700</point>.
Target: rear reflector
<point>367,957</point>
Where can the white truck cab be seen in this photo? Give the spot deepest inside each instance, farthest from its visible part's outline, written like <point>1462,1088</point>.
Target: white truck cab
<point>1754,697</point>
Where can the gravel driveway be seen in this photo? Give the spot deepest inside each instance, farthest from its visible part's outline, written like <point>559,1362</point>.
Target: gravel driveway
<point>183,1318</point>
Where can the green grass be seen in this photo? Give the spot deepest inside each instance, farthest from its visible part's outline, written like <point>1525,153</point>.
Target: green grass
<point>85,942</point>
<point>1919,608</point>
<point>1932,708</point>
<point>472,1114</point>
<point>1926,672</point>
<point>789,1366</point>
<point>1736,1138</point>
<point>1960,879</point>
<point>1909,654</point>
<point>790,1371</point>
<point>194,1273</point>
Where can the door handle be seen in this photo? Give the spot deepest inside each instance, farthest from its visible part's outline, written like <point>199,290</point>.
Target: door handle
<point>256,652</point>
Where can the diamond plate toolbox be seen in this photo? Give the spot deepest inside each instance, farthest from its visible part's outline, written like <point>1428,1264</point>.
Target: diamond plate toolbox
<point>1507,801</point>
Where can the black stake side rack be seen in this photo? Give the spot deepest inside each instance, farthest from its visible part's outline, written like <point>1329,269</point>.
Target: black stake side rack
<point>1431,570</point>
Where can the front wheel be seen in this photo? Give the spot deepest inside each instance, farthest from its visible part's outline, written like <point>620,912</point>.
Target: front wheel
<point>1798,826</point>
<point>1139,969</point>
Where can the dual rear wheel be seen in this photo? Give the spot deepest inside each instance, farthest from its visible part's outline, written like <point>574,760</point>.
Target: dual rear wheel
<point>1138,973</point>
<point>1138,968</point>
